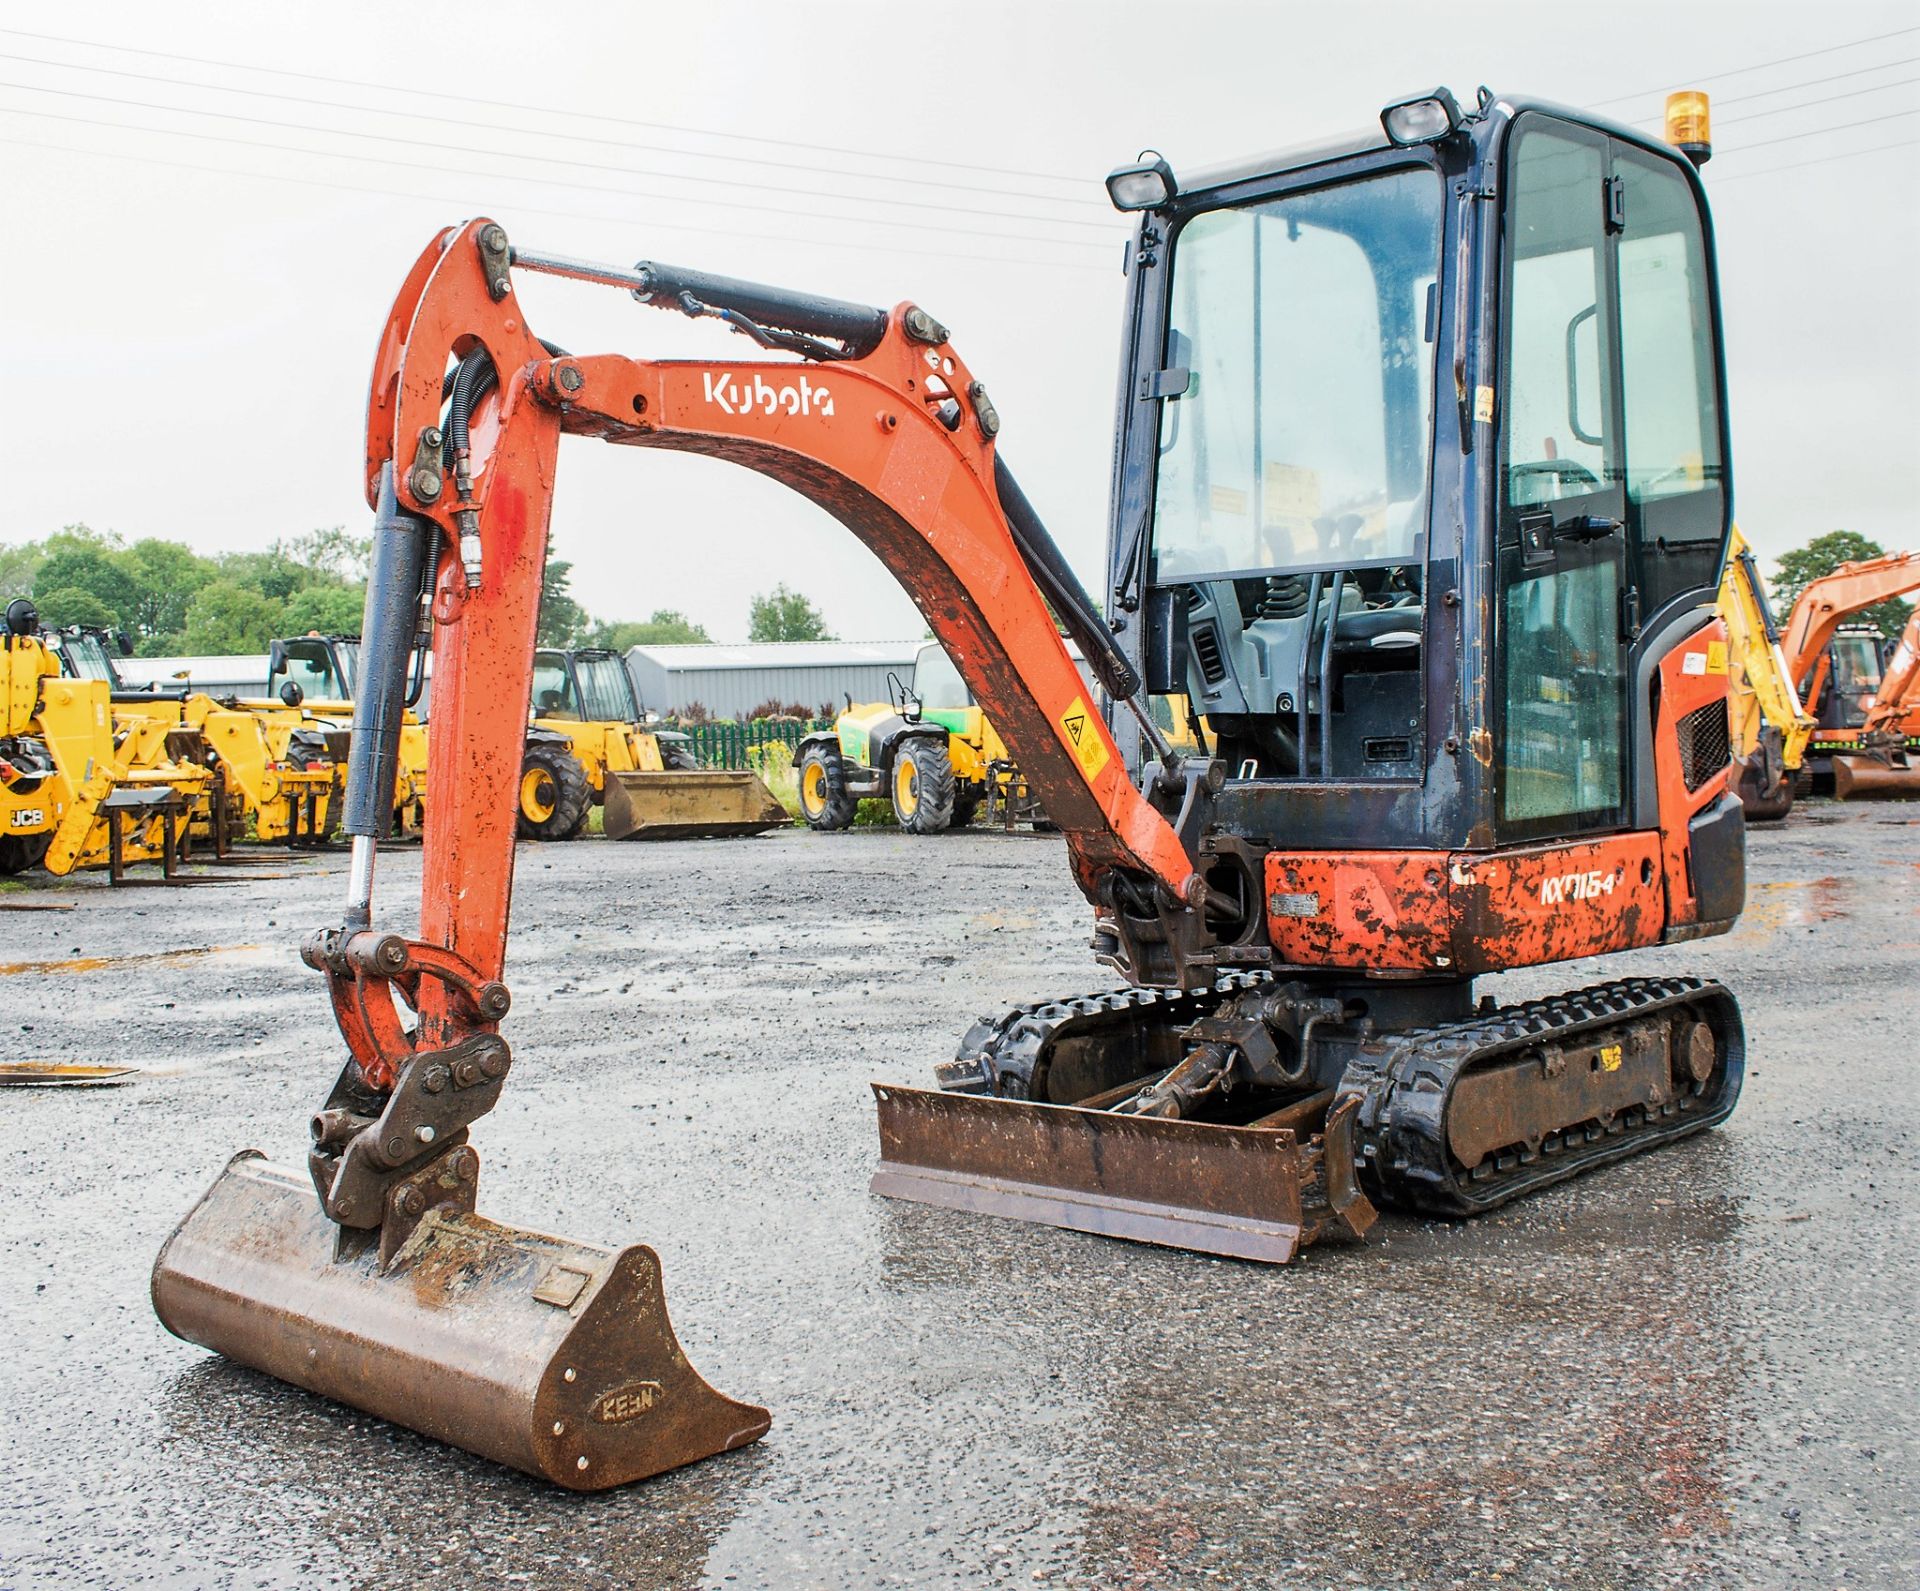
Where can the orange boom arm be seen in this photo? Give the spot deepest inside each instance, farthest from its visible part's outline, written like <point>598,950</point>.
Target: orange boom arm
<point>897,444</point>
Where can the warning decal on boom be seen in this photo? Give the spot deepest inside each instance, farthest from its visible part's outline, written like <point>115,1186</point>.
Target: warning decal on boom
<point>1084,738</point>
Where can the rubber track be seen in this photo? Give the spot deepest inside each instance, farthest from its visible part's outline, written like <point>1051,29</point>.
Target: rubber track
<point>998,1055</point>
<point>1406,1080</point>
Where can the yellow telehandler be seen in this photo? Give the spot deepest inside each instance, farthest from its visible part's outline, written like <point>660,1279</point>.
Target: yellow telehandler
<point>587,746</point>
<point>77,790</point>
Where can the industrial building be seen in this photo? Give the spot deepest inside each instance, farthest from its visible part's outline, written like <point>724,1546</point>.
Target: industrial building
<point>730,681</point>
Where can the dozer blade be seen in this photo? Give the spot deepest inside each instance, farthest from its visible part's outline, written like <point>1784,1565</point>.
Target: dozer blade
<point>1236,1191</point>
<point>552,1356</point>
<point>1872,777</point>
<point>689,804</point>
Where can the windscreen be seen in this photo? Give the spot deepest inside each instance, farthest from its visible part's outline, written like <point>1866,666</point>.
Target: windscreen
<point>310,665</point>
<point>88,658</point>
<point>937,682</point>
<point>606,694</point>
<point>1307,323</point>
<point>553,687</point>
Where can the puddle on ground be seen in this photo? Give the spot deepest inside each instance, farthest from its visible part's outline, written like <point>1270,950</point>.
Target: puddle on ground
<point>1792,903</point>
<point>162,958</point>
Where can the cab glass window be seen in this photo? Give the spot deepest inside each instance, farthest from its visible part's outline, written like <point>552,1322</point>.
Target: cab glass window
<point>552,689</point>
<point>1307,325</point>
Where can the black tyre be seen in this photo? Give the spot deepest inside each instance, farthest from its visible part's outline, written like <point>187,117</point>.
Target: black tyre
<point>966,804</point>
<point>824,799</point>
<point>18,852</point>
<point>554,795</point>
<point>922,786</point>
<point>676,756</point>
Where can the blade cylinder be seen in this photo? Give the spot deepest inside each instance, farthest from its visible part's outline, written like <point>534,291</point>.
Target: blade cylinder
<point>551,1356</point>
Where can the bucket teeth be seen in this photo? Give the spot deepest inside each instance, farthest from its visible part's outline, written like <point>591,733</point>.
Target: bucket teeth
<point>551,1356</point>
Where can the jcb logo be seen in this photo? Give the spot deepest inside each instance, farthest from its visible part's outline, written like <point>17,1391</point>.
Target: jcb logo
<point>29,817</point>
<point>1575,886</point>
<point>768,397</point>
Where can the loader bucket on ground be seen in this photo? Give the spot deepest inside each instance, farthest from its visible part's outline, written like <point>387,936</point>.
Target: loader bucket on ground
<point>1237,1191</point>
<point>1870,776</point>
<point>689,804</point>
<point>552,1356</point>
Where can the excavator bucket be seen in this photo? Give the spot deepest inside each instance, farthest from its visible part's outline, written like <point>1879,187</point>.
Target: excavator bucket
<point>689,804</point>
<point>1875,777</point>
<point>551,1356</point>
<point>1256,1192</point>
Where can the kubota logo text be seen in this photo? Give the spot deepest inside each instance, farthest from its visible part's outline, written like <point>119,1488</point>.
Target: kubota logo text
<point>1575,886</point>
<point>733,396</point>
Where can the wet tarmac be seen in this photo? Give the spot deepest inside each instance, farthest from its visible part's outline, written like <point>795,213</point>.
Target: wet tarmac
<point>1697,1369</point>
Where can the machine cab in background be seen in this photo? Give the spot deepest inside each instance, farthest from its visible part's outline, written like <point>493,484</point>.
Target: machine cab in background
<point>1423,470</point>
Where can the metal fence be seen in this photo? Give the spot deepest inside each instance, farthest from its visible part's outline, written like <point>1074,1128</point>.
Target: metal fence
<point>727,745</point>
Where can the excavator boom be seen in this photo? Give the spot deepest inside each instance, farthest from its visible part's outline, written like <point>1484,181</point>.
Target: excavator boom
<point>386,1289</point>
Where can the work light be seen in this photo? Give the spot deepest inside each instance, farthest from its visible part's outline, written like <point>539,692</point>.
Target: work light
<point>1145,185</point>
<point>1425,120</point>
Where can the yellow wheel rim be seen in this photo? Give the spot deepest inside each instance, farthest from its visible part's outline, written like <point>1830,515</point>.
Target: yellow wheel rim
<point>906,787</point>
<point>813,787</point>
<point>537,794</point>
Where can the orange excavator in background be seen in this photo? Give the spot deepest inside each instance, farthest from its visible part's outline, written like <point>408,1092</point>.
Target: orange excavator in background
<point>1421,500</point>
<point>1889,734</point>
<point>1838,674</point>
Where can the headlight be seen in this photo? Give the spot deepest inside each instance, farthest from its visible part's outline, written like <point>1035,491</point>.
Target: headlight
<point>1424,120</point>
<point>1146,185</point>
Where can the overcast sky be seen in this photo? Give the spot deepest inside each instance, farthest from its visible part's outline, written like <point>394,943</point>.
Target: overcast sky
<point>192,299</point>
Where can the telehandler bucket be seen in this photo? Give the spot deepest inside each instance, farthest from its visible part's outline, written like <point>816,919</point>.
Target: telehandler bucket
<point>1259,1192</point>
<point>551,1356</point>
<point>689,804</point>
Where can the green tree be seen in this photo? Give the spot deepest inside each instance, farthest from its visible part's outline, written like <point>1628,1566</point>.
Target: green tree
<point>74,605</point>
<point>78,558</point>
<point>665,628</point>
<point>332,610</point>
<point>166,576</point>
<point>226,617</point>
<point>18,566</point>
<point>1796,570</point>
<point>561,618</point>
<point>782,614</point>
<point>331,551</point>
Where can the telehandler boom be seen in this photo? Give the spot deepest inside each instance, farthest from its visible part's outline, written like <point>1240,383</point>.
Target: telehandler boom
<point>1421,499</point>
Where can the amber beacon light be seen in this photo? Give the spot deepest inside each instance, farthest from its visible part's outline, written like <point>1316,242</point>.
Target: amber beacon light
<point>1689,126</point>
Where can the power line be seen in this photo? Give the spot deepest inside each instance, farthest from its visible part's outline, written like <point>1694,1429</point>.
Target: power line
<point>1818,160</point>
<point>524,209</point>
<point>441,168</point>
<point>1758,66</point>
<point>555,160</point>
<point>537,132</point>
<point>1821,132</point>
<point>412,91</point>
<point>1814,82</point>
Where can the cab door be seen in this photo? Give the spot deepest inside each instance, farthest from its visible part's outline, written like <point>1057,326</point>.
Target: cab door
<point>1564,612</point>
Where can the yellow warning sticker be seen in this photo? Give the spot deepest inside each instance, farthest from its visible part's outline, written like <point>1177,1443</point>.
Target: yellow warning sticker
<point>1483,405</point>
<point>1610,1057</point>
<point>1716,657</point>
<point>1083,735</point>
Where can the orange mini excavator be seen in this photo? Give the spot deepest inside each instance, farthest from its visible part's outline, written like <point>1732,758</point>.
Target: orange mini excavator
<point>1859,740</point>
<point>1420,504</point>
